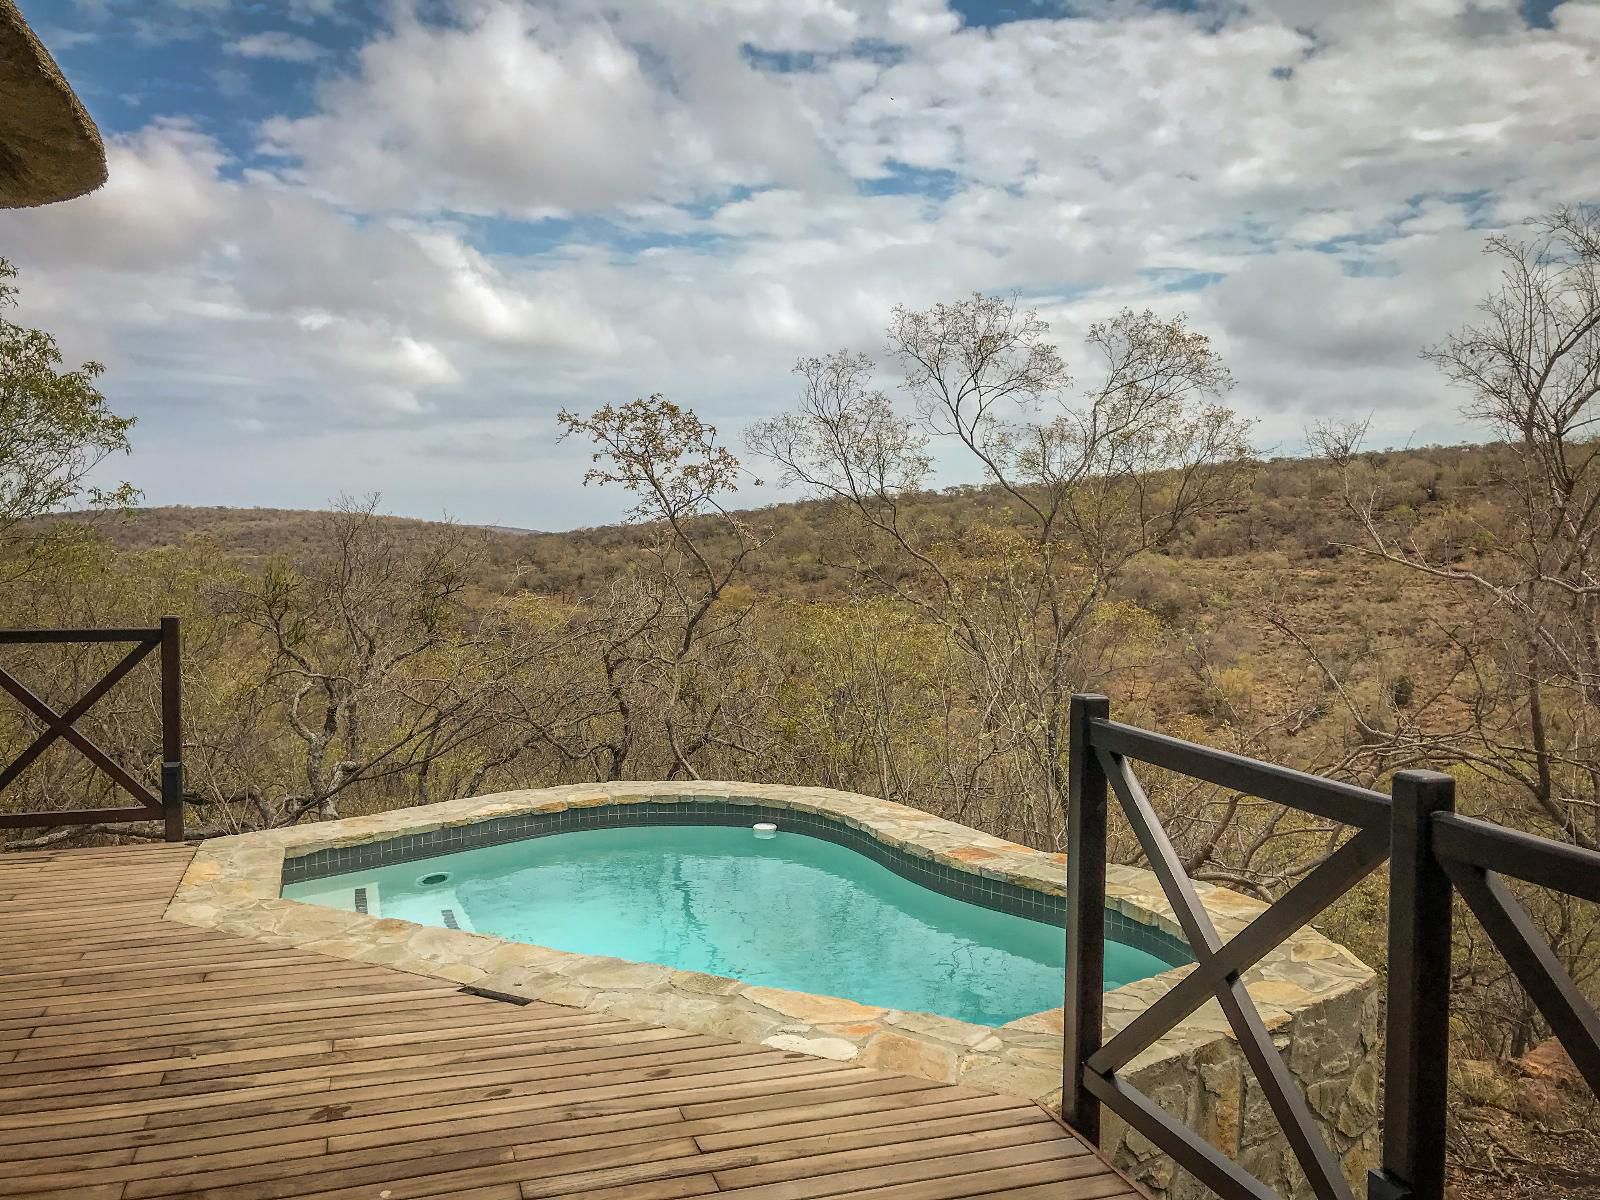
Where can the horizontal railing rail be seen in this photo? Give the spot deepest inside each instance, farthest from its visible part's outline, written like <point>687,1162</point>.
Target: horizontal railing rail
<point>1343,802</point>
<point>1536,860</point>
<point>1433,853</point>
<point>165,804</point>
<point>1520,941</point>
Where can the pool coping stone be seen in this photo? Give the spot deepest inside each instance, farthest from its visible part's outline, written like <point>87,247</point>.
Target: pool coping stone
<point>234,884</point>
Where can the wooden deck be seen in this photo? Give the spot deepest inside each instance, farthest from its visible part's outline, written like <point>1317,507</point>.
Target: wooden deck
<point>144,1058</point>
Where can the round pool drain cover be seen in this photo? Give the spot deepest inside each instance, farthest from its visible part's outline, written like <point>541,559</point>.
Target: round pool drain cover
<point>433,878</point>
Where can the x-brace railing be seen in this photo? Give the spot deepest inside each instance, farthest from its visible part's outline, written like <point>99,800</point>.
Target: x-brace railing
<point>62,726</point>
<point>1102,751</point>
<point>1431,849</point>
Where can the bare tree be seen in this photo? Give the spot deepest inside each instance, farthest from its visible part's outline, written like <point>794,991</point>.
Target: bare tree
<point>371,659</point>
<point>1528,676</point>
<point>1090,481</point>
<point>669,634</point>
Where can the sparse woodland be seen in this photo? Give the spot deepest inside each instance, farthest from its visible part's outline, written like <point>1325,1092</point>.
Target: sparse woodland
<point>1351,614</point>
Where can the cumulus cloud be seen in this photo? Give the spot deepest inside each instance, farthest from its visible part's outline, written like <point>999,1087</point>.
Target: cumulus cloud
<point>302,312</point>
<point>491,208</point>
<point>164,198</point>
<point>524,110</point>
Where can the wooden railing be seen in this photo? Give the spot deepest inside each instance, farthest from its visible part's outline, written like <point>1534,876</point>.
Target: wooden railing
<point>1431,851</point>
<point>167,806</point>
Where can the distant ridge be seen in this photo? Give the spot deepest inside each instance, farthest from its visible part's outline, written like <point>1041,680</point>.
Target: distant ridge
<point>1291,511</point>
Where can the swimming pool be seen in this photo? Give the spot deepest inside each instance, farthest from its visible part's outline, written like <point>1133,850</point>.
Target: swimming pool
<point>793,911</point>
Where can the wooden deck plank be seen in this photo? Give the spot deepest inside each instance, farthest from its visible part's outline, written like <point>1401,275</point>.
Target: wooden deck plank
<point>225,1089</point>
<point>422,1022</point>
<point>966,1172</point>
<point>223,1059</point>
<point>141,1059</point>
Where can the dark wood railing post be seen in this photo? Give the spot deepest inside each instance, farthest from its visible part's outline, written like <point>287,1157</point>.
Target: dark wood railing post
<point>1418,1038</point>
<point>1083,1007</point>
<point>172,729</point>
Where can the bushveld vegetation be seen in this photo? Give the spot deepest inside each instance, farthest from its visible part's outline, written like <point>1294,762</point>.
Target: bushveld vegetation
<point>1351,613</point>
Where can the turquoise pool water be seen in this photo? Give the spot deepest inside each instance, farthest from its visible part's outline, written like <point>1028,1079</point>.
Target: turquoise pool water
<point>791,912</point>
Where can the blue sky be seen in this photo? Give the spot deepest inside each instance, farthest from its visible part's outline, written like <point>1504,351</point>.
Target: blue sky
<point>375,245</point>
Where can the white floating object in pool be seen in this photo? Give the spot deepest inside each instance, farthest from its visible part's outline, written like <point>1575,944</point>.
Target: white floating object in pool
<point>765,829</point>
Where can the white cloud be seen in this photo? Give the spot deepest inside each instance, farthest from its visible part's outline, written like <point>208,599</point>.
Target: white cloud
<point>297,311</point>
<point>524,110</point>
<point>376,284</point>
<point>277,44</point>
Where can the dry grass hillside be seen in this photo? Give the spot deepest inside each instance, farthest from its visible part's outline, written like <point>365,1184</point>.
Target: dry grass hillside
<point>1293,509</point>
<point>1278,553</point>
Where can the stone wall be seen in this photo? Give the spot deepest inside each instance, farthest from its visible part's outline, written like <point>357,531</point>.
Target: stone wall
<point>1334,1050</point>
<point>1317,999</point>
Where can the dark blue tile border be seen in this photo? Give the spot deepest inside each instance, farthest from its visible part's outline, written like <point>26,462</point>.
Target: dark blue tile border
<point>994,894</point>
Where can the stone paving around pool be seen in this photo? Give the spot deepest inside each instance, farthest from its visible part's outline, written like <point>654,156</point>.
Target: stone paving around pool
<point>1319,1001</point>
